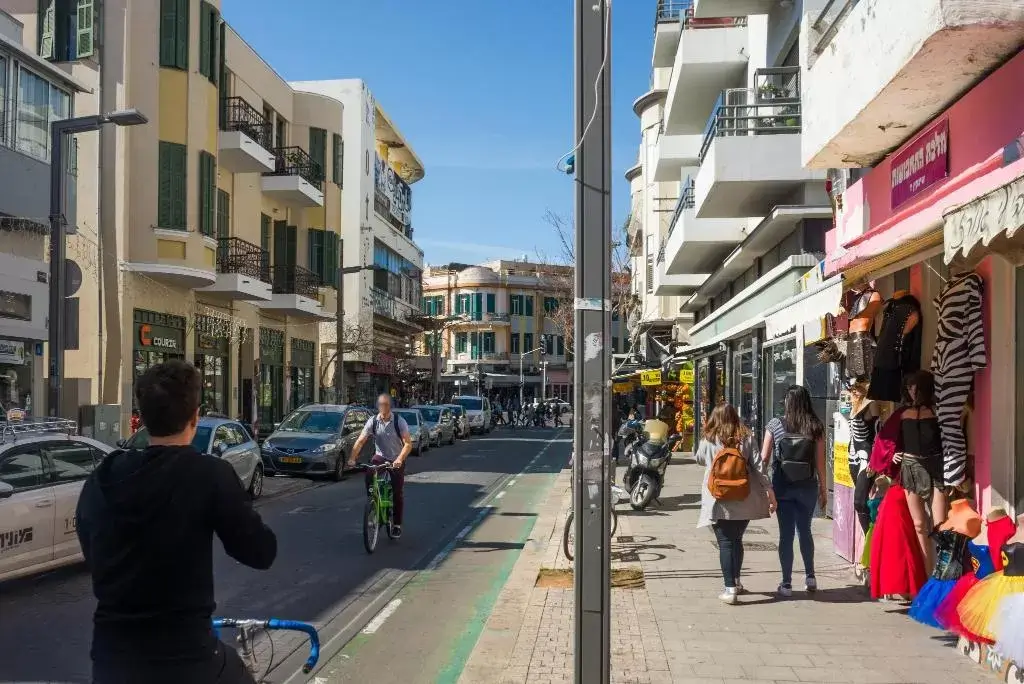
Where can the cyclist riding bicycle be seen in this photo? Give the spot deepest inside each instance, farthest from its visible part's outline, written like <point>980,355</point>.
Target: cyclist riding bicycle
<point>146,520</point>
<point>392,444</point>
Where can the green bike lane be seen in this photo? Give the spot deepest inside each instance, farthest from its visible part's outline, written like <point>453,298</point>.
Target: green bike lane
<point>427,632</point>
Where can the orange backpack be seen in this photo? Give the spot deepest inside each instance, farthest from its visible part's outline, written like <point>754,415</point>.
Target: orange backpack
<point>729,478</point>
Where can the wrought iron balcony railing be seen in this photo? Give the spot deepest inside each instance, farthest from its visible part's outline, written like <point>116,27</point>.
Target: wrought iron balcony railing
<point>235,255</point>
<point>295,280</point>
<point>239,115</point>
<point>295,161</point>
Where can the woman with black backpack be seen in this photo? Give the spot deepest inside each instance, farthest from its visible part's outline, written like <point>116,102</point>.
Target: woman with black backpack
<point>735,490</point>
<point>794,445</point>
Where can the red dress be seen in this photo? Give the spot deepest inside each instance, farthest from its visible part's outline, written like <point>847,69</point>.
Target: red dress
<point>897,566</point>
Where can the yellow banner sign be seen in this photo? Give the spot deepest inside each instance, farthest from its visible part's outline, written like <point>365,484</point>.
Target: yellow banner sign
<point>650,378</point>
<point>841,465</point>
<point>622,387</point>
<point>686,376</point>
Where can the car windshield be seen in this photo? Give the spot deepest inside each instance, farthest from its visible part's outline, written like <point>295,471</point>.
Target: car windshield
<point>457,410</point>
<point>411,417</point>
<point>312,421</point>
<point>431,414</point>
<point>140,440</point>
<point>470,403</point>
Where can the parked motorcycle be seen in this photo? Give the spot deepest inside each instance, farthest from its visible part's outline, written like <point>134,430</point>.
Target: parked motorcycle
<point>629,433</point>
<point>645,470</point>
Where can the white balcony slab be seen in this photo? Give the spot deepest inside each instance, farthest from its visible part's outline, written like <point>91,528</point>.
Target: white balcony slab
<point>667,285</point>
<point>297,306</point>
<point>698,245</point>
<point>666,38</point>
<point>172,274</point>
<point>239,153</point>
<point>909,61</point>
<point>674,152</point>
<point>236,286</point>
<point>293,190</point>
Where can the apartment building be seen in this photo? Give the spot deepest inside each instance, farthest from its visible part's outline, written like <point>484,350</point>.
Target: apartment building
<point>219,225</point>
<point>499,320</point>
<point>33,93</point>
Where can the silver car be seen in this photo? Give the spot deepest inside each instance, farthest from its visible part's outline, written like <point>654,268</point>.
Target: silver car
<point>419,435</point>
<point>317,439</point>
<point>439,423</point>
<point>223,438</point>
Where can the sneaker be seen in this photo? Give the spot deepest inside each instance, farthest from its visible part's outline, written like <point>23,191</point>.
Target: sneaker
<point>729,596</point>
<point>396,531</point>
<point>739,588</point>
<point>812,585</point>
<point>785,590</point>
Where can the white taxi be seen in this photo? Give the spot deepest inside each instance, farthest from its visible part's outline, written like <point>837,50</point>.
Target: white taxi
<point>43,465</point>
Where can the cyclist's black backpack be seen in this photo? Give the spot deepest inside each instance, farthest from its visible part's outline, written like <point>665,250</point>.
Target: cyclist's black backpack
<point>398,426</point>
<point>797,455</point>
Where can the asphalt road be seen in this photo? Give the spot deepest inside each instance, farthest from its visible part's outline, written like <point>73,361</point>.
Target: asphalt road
<point>324,576</point>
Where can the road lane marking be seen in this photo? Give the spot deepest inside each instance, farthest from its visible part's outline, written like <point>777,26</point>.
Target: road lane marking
<point>499,495</point>
<point>511,483</point>
<point>443,553</point>
<point>378,622</point>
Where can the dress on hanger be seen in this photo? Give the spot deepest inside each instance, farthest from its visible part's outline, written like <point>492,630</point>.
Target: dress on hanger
<point>896,354</point>
<point>959,353</point>
<point>897,565</point>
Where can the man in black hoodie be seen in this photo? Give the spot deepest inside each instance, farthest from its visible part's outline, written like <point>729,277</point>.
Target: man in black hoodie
<point>146,520</point>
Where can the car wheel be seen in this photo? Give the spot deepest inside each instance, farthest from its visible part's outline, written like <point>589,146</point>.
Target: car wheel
<point>419,450</point>
<point>256,483</point>
<point>452,440</point>
<point>339,468</point>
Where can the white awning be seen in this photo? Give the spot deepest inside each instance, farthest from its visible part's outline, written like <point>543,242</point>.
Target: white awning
<point>804,307</point>
<point>987,218</point>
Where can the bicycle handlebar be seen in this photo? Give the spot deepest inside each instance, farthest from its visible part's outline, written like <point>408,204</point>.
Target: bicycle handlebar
<point>374,466</point>
<point>280,625</point>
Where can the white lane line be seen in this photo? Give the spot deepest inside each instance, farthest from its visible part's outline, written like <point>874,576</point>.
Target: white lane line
<point>378,622</point>
<point>439,558</point>
<point>511,483</point>
<point>499,495</point>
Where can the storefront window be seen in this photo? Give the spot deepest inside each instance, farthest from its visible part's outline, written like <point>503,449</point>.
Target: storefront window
<point>780,373</point>
<point>743,384</point>
<point>302,372</point>
<point>15,377</point>
<point>214,366</point>
<point>158,338</point>
<point>270,394</point>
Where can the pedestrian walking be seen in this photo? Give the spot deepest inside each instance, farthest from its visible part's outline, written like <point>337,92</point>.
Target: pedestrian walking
<point>794,445</point>
<point>735,490</point>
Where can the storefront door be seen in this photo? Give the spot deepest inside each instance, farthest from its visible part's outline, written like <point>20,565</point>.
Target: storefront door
<point>779,361</point>
<point>302,372</point>
<point>157,337</point>
<point>270,395</point>
<point>743,384</point>
<point>213,364</point>
<point>15,376</point>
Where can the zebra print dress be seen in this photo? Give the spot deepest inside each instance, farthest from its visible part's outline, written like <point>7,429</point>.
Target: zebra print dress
<point>959,353</point>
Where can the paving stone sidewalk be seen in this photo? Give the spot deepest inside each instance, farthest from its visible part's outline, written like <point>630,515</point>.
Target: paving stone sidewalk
<point>675,630</point>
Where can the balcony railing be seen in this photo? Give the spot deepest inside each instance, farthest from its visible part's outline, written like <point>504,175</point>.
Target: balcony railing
<point>295,280</point>
<point>686,201</point>
<point>827,24</point>
<point>239,115</point>
<point>383,303</point>
<point>295,161</point>
<point>671,10</point>
<point>235,255</point>
<point>383,209</point>
<point>770,108</point>
<point>691,22</point>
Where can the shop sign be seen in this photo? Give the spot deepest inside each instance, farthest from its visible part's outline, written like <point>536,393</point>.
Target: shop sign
<point>686,376</point>
<point>650,378</point>
<point>921,164</point>
<point>209,344</point>
<point>150,337</point>
<point>12,352</point>
<point>15,305</point>
<point>841,464</point>
<point>622,387</point>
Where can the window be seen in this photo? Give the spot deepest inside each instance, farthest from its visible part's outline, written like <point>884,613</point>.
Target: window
<point>318,149</point>
<point>399,278</point>
<point>265,223</point>
<point>433,306</point>
<point>72,461</point>
<point>22,467</point>
<point>285,244</point>
<point>490,303</point>
<point>323,255</point>
<point>39,104</point>
<point>514,346</point>
<point>207,192</point>
<point>478,306</point>
<point>515,305</point>
<point>66,29</point>
<point>460,342</point>
<point>528,299</point>
<point>209,42</point>
<point>223,214</point>
<point>561,345</point>
<point>487,342</point>
<point>528,342</point>
<point>172,194</point>
<point>338,155</point>
<point>174,34</point>
<point>550,304</point>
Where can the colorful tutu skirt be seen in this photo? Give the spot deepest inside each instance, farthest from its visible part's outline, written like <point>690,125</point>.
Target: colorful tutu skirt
<point>865,556</point>
<point>897,566</point>
<point>1008,628</point>
<point>926,603</point>
<point>979,606</point>
<point>946,614</point>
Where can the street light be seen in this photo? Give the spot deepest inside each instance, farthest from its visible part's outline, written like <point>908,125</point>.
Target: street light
<point>339,357</point>
<point>521,379</point>
<point>59,130</point>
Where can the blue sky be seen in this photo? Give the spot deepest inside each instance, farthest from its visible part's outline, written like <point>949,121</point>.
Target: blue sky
<point>483,92</point>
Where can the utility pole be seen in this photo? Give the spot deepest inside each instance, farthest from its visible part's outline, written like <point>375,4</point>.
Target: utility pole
<point>591,343</point>
<point>339,356</point>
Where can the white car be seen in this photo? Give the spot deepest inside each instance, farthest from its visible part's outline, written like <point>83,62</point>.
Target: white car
<point>41,474</point>
<point>478,412</point>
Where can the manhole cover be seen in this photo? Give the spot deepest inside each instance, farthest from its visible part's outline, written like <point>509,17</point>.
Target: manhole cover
<point>622,578</point>
<point>755,546</point>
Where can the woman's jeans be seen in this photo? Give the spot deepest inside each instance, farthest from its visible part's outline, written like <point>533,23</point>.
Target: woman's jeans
<point>796,509</point>
<point>730,548</point>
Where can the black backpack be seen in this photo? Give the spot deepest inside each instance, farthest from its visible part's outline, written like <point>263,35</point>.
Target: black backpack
<point>797,456</point>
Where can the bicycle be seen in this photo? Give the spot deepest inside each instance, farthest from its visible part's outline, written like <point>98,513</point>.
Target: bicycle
<point>247,630</point>
<point>380,505</point>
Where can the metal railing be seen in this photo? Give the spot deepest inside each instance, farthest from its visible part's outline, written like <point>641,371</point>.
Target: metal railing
<point>235,255</point>
<point>686,201</point>
<point>828,21</point>
<point>671,10</point>
<point>295,280</point>
<point>239,115</point>
<point>383,209</point>
<point>383,303</point>
<point>295,161</point>
<point>691,22</point>
<point>10,431</point>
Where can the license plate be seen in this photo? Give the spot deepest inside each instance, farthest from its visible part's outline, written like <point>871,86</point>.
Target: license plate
<point>290,459</point>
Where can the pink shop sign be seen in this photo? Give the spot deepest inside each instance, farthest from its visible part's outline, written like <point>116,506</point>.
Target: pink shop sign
<point>921,164</point>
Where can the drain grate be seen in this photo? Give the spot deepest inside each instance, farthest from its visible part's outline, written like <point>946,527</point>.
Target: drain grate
<point>755,546</point>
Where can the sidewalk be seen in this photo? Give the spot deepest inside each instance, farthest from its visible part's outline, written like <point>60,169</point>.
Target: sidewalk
<point>675,630</point>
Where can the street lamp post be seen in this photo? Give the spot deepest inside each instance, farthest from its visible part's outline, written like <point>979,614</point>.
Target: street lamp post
<point>339,356</point>
<point>59,132</point>
<point>521,379</point>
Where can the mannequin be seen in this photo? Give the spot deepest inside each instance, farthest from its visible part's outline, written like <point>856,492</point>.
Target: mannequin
<point>983,602</point>
<point>898,351</point>
<point>951,540</point>
<point>861,307</point>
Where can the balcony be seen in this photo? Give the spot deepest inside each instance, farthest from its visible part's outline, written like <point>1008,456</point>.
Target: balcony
<point>388,306</point>
<point>703,9</point>
<point>483,357</point>
<point>295,292</point>
<point>296,179</point>
<point>712,54</point>
<point>910,61</point>
<point>177,258</point>
<point>243,272</point>
<point>668,22</point>
<point>383,207</point>
<point>750,155</point>
<point>244,145</point>
<point>697,245</point>
<point>674,152</point>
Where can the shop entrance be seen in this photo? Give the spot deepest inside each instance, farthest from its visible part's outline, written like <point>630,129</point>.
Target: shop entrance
<point>270,394</point>
<point>302,372</point>
<point>779,374</point>
<point>157,337</point>
<point>15,376</point>
<point>214,365</point>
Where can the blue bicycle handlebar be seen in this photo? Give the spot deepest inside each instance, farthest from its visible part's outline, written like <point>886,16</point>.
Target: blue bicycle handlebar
<point>281,625</point>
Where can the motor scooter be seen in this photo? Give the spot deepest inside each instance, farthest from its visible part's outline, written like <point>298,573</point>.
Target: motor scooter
<point>645,469</point>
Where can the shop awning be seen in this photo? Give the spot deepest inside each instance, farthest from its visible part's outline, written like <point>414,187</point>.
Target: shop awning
<point>804,307</point>
<point>710,345</point>
<point>1000,213</point>
<point>913,250</point>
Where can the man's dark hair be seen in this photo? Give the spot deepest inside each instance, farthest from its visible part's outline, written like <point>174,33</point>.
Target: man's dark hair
<point>168,396</point>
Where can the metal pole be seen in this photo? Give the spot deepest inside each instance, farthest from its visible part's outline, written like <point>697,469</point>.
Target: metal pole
<point>591,343</point>
<point>543,380</point>
<point>521,381</point>
<point>339,359</point>
<point>57,256</point>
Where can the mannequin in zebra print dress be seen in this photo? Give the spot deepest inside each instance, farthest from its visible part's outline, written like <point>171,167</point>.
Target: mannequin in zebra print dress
<point>863,428</point>
<point>959,353</point>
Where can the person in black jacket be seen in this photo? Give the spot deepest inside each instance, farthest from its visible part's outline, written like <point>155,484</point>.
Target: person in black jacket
<point>146,520</point>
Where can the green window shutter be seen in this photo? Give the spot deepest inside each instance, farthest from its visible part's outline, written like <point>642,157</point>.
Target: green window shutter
<point>223,214</point>
<point>179,191</point>
<point>311,249</point>
<point>315,248</point>
<point>165,184</point>
<point>334,258</point>
<point>181,34</point>
<point>46,19</point>
<point>169,33</point>
<point>478,306</point>
<point>318,148</point>
<point>339,160</point>
<point>292,249</point>
<point>280,243</point>
<point>85,43</point>
<point>490,303</point>
<point>217,57</point>
<point>206,46</point>
<point>265,232</point>
<point>207,193</point>
<point>529,304</point>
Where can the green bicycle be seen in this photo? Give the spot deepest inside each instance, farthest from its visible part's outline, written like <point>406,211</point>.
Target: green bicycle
<point>380,505</point>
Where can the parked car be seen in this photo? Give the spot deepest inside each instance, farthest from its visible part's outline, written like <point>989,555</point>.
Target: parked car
<point>459,418</point>
<point>223,438</point>
<point>420,437</point>
<point>439,423</point>
<point>43,465</point>
<point>478,412</point>
<point>559,405</point>
<point>317,440</point>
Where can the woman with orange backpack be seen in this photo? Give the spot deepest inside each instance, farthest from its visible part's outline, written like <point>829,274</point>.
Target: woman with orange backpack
<point>734,492</point>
